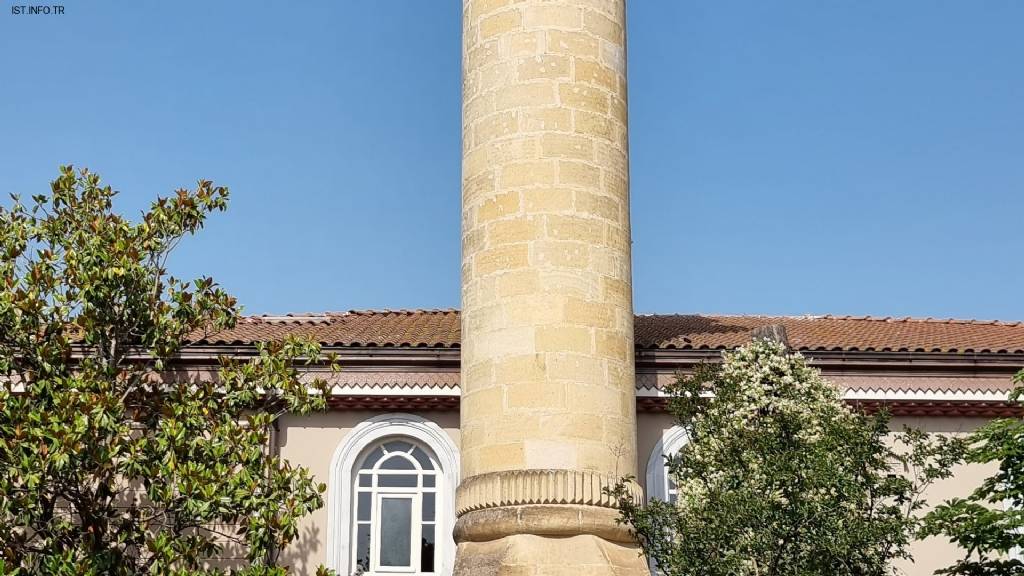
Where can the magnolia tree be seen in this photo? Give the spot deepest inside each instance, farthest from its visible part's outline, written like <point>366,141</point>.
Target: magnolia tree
<point>780,478</point>
<point>989,524</point>
<point>110,462</point>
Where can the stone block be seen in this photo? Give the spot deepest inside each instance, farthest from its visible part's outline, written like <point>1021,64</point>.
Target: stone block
<point>500,23</point>
<point>576,44</point>
<point>546,120</point>
<point>601,26</point>
<point>495,126</point>
<point>560,254</point>
<point>596,125</point>
<point>553,16</point>
<point>572,227</point>
<point>593,72</point>
<point>547,200</point>
<point>501,258</point>
<point>598,205</point>
<point>564,339</point>
<point>582,174</point>
<point>612,345</point>
<point>483,55</point>
<point>517,283</point>
<point>501,456</point>
<point>521,368</point>
<point>498,206</point>
<point>556,454</point>
<point>497,76</point>
<point>512,231</point>
<point>575,367</point>
<point>548,66</point>
<point>520,44</point>
<point>535,94</point>
<point>566,146</point>
<point>589,313</point>
<point>480,8</point>
<point>520,174</point>
<point>542,396</point>
<point>583,97</point>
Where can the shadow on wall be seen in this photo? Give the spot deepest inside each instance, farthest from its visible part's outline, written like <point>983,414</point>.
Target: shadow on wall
<point>303,551</point>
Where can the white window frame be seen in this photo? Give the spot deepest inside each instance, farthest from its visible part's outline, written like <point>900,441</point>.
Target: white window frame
<point>671,442</point>
<point>414,512</point>
<point>339,556</point>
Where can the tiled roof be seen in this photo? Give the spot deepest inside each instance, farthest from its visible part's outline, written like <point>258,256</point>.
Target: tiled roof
<point>357,328</point>
<point>440,329</point>
<point>846,333</point>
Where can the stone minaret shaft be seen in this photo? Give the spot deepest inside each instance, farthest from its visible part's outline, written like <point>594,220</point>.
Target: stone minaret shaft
<point>548,406</point>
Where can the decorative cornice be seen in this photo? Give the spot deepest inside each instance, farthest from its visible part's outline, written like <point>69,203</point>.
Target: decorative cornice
<point>959,409</point>
<point>526,487</point>
<point>392,403</point>
<point>886,361</point>
<point>969,408</point>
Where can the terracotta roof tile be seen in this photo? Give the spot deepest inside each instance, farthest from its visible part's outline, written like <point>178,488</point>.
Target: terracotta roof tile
<point>357,328</point>
<point>441,329</point>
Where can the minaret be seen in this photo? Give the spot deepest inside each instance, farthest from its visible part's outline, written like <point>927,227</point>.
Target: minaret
<point>548,397</point>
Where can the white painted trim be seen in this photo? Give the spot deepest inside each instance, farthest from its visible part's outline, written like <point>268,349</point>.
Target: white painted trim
<point>882,395</point>
<point>395,390</point>
<point>928,395</point>
<point>672,440</point>
<point>339,495</point>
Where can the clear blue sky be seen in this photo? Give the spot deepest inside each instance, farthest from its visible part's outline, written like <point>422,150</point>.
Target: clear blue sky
<point>792,157</point>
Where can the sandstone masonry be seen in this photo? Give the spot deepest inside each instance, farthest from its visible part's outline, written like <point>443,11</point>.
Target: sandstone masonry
<point>548,406</point>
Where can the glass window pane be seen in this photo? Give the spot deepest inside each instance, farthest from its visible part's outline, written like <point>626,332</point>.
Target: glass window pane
<point>363,546</point>
<point>372,458</point>
<point>397,480</point>
<point>395,531</point>
<point>428,481</point>
<point>397,463</point>
<point>363,507</point>
<point>428,506</point>
<point>427,549</point>
<point>422,458</point>
<point>397,446</point>
<point>365,480</point>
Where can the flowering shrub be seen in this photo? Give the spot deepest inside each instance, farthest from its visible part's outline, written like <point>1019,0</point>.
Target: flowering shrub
<point>781,477</point>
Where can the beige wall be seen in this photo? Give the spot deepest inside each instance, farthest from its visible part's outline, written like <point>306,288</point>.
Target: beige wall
<point>934,553</point>
<point>311,441</point>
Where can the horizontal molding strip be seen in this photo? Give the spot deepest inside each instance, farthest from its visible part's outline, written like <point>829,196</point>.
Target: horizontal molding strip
<point>526,487</point>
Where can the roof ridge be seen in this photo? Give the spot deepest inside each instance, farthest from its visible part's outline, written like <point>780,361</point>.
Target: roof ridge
<point>293,318</point>
<point>401,311</point>
<point>928,319</point>
<point>862,317</point>
<point>329,315</point>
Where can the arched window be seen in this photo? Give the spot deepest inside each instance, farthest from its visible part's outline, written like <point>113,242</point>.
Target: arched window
<point>659,485</point>
<point>395,515</point>
<point>391,501</point>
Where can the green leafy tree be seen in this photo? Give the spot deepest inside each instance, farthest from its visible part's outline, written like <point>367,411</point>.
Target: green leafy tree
<point>111,461</point>
<point>781,478</point>
<point>989,524</point>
